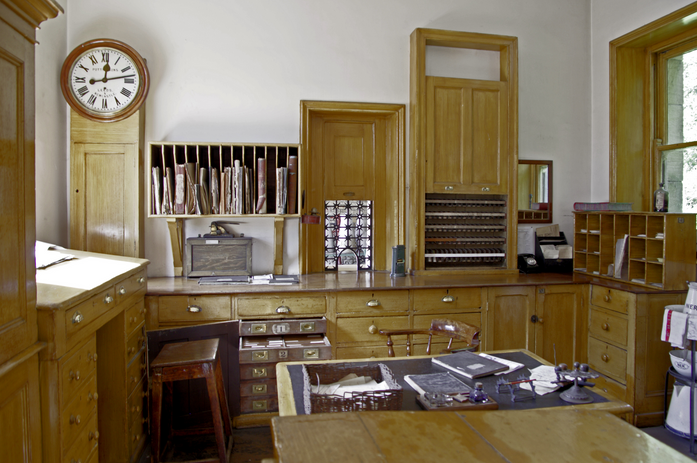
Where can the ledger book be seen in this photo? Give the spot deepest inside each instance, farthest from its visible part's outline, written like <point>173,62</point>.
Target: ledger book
<point>469,364</point>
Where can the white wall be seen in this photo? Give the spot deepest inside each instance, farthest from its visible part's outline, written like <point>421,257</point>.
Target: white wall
<point>610,20</point>
<point>236,70</point>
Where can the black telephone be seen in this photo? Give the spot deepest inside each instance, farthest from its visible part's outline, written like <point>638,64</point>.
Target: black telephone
<point>527,263</point>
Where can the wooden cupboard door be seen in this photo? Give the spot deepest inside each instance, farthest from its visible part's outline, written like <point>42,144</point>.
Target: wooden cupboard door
<point>562,324</point>
<point>20,414</point>
<point>105,216</point>
<point>18,293</point>
<point>349,157</point>
<point>466,136</point>
<point>509,312</point>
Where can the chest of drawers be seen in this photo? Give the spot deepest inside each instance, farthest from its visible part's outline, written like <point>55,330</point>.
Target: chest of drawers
<point>91,314</point>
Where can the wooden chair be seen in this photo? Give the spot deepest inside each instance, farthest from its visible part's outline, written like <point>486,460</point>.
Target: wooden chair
<point>183,361</point>
<point>456,331</point>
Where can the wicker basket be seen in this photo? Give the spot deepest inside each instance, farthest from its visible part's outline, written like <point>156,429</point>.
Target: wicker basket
<point>327,373</point>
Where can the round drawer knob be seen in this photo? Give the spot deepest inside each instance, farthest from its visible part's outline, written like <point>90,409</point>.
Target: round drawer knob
<point>108,299</point>
<point>131,350</point>
<point>75,419</point>
<point>93,396</point>
<point>93,435</point>
<point>94,357</point>
<point>448,299</point>
<point>486,188</point>
<point>141,280</point>
<point>607,298</point>
<point>372,329</point>
<point>373,303</point>
<point>74,375</point>
<point>605,327</point>
<point>122,290</point>
<point>605,358</point>
<point>282,309</point>
<point>449,188</point>
<point>77,317</point>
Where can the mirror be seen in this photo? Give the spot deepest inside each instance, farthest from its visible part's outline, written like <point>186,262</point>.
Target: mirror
<point>534,191</point>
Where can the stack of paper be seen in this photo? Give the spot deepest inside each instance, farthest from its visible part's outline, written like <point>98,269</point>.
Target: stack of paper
<point>350,383</point>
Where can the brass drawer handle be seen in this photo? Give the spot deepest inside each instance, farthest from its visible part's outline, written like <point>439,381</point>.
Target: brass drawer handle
<point>311,353</point>
<point>259,389</point>
<point>606,327</point>
<point>448,299</point>
<point>74,375</point>
<point>372,329</point>
<point>141,280</point>
<point>122,290</point>
<point>605,358</point>
<point>259,372</point>
<point>193,309</point>
<point>282,309</point>
<point>260,355</point>
<point>108,299</point>
<point>486,188</point>
<point>75,419</point>
<point>77,317</point>
<point>607,298</point>
<point>307,327</point>
<point>373,303</point>
<point>449,188</point>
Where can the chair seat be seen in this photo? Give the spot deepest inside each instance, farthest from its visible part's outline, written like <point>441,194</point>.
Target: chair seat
<point>186,353</point>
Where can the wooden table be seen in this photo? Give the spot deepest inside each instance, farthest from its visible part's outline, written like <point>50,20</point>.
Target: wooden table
<point>541,435</point>
<point>287,404</point>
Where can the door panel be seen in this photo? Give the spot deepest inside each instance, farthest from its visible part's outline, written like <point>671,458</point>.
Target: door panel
<point>349,160</point>
<point>508,318</point>
<point>561,331</point>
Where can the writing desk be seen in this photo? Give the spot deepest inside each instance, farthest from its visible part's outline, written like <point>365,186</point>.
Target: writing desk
<point>289,383</point>
<point>546,434</point>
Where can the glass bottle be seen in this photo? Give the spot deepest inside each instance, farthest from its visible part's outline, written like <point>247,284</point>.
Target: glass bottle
<point>660,199</point>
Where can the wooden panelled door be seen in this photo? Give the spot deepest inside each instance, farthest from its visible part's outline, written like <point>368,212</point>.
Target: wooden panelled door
<point>466,136</point>
<point>355,153</point>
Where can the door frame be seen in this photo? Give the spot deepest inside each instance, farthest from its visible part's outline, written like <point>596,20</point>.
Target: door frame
<point>392,226</point>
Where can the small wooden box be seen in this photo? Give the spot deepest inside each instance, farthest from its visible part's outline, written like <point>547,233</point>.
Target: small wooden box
<point>217,256</point>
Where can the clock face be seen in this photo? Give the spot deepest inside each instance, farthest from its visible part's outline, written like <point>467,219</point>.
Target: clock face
<point>104,80</point>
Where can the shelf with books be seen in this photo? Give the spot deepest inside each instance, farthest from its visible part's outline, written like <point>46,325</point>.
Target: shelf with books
<point>223,180</point>
<point>650,249</point>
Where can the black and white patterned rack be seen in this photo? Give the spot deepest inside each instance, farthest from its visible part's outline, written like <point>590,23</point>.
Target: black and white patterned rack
<point>465,231</point>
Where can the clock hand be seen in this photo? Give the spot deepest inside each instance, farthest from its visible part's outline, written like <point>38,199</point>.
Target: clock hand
<point>93,81</point>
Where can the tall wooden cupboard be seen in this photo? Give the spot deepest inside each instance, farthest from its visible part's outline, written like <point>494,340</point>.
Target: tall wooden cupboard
<point>20,425</point>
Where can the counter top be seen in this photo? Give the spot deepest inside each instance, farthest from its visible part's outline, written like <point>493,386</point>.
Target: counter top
<point>332,282</point>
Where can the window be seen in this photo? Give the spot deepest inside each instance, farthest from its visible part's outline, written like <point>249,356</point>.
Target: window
<point>676,127</point>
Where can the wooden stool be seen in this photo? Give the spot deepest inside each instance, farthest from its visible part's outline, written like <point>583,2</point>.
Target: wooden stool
<point>189,360</point>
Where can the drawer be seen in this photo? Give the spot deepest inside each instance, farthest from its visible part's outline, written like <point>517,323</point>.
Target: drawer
<point>284,349</point>
<point>343,353</point>
<point>423,322</point>
<point>137,433</point>
<point>130,286</point>
<point>135,316</point>
<point>446,300</point>
<point>366,329</point>
<point>135,342</point>
<point>611,299</point>
<point>282,304</point>
<point>137,405</point>
<point>608,360</point>
<point>372,301</point>
<point>257,388</point>
<point>77,413</point>
<point>258,371</point>
<point>85,313</point>
<point>85,444</point>
<point>136,370</point>
<point>608,327</point>
<point>259,404</point>
<point>282,327</point>
<point>182,309</point>
<point>76,369</point>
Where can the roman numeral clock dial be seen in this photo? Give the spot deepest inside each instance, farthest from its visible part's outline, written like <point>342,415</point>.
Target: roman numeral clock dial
<point>104,80</point>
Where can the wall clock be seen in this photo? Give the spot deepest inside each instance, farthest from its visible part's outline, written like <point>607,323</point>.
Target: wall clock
<point>105,80</point>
